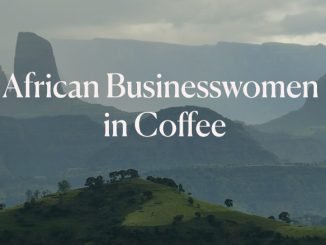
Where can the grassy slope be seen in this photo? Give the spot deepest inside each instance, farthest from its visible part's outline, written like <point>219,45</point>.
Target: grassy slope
<point>166,203</point>
<point>159,211</point>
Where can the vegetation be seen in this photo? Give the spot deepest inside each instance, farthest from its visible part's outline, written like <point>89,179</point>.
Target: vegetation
<point>2,206</point>
<point>228,203</point>
<point>63,186</point>
<point>135,211</point>
<point>284,216</point>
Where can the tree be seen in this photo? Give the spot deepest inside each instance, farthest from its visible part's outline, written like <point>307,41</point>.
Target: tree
<point>113,176</point>
<point>271,217</point>
<point>2,206</point>
<point>45,193</point>
<point>132,173</point>
<point>284,216</point>
<point>36,194</point>
<point>123,174</point>
<point>63,186</point>
<point>190,201</point>
<point>99,181</point>
<point>228,203</point>
<point>29,195</point>
<point>163,181</point>
<point>95,183</point>
<point>90,182</point>
<point>180,188</point>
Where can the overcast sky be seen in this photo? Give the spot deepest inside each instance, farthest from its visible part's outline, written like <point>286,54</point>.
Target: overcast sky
<point>176,21</point>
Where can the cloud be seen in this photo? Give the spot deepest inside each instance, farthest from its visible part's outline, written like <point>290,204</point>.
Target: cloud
<point>179,21</point>
<point>305,23</point>
<point>175,21</point>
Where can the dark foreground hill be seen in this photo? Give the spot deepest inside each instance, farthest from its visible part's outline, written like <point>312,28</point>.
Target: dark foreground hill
<point>135,212</point>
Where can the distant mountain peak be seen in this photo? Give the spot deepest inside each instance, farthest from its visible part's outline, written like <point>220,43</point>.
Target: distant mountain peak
<point>309,120</point>
<point>34,53</point>
<point>3,79</point>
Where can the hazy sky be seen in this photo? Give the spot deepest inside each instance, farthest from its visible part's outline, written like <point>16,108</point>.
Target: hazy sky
<point>176,21</point>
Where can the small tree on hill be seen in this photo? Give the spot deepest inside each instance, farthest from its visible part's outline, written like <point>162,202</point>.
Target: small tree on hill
<point>95,183</point>
<point>123,174</point>
<point>284,216</point>
<point>190,201</point>
<point>228,203</point>
<point>45,193</point>
<point>64,186</point>
<point>29,195</point>
<point>2,206</point>
<point>132,173</point>
<point>36,194</point>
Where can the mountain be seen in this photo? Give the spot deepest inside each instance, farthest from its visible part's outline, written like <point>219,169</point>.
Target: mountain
<point>3,79</point>
<point>139,60</point>
<point>34,53</point>
<point>36,152</point>
<point>48,146</point>
<point>139,212</point>
<point>309,120</point>
<point>261,190</point>
<point>291,148</point>
<point>235,148</point>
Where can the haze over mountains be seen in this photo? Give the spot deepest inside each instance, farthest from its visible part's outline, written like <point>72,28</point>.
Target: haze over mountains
<point>67,140</point>
<point>235,148</point>
<point>225,61</point>
<point>55,136</point>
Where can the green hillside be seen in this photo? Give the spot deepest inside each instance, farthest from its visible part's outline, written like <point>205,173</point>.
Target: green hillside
<point>136,211</point>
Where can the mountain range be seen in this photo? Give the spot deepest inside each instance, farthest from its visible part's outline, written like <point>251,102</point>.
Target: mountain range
<point>236,148</point>
<point>139,60</point>
<point>42,141</point>
<point>56,138</point>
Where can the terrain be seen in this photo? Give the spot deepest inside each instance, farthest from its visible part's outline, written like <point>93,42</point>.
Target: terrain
<point>43,141</point>
<point>262,190</point>
<point>237,147</point>
<point>137,211</point>
<point>34,53</point>
<point>139,60</point>
<point>308,121</point>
